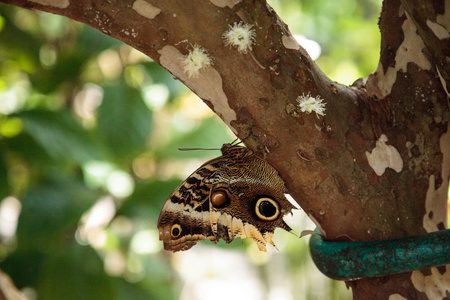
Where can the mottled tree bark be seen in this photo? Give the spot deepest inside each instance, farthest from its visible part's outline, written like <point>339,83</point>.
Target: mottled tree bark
<point>375,167</point>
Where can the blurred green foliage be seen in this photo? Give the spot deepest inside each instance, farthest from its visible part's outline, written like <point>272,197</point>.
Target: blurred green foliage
<point>90,127</point>
<point>346,30</point>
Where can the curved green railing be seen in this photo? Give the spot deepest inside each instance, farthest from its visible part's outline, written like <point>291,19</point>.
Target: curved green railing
<point>356,260</point>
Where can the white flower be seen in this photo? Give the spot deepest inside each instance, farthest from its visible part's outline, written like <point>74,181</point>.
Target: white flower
<point>196,60</point>
<point>310,104</point>
<point>241,36</point>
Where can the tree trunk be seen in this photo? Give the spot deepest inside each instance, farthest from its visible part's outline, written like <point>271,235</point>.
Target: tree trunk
<point>376,166</point>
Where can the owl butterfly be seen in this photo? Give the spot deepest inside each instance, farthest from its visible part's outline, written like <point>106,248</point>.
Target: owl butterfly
<point>234,195</point>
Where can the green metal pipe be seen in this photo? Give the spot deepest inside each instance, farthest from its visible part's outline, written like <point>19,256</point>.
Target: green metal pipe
<point>356,260</point>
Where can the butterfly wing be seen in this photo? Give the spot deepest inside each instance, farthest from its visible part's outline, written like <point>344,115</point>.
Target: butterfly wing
<point>255,201</point>
<point>185,217</point>
<point>235,195</point>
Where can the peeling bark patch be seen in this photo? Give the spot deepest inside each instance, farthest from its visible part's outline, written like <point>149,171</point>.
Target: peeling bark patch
<point>439,31</point>
<point>384,156</point>
<point>145,9</point>
<point>444,19</point>
<point>223,3</point>
<point>443,82</point>
<point>207,85</point>
<point>54,3</point>
<point>290,42</point>
<point>435,286</point>
<point>410,51</point>
<point>436,198</point>
<point>382,82</point>
<point>396,297</point>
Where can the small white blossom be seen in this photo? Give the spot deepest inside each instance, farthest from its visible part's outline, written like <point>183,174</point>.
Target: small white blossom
<point>241,36</point>
<point>196,60</point>
<point>310,104</point>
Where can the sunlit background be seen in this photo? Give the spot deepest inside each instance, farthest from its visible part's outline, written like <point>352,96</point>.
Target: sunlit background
<point>89,131</point>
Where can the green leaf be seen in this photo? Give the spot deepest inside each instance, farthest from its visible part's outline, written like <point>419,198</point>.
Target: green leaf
<point>155,289</point>
<point>24,146</point>
<point>4,186</point>
<point>160,75</point>
<point>148,199</point>
<point>131,291</point>
<point>75,273</point>
<point>124,121</point>
<point>67,69</point>
<point>17,47</point>
<point>23,268</point>
<point>61,136</point>
<point>50,213</point>
<point>210,134</point>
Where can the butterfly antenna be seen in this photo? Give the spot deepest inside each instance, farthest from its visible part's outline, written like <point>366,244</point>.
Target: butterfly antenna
<point>235,142</point>
<point>189,149</point>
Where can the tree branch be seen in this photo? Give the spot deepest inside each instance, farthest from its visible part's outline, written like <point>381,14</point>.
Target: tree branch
<point>324,161</point>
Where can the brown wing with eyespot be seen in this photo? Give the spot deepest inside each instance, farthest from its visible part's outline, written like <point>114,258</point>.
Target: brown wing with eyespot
<point>255,204</point>
<point>235,195</point>
<point>184,218</point>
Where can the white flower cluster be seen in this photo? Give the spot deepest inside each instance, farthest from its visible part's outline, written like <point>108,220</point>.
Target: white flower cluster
<point>308,104</point>
<point>240,36</point>
<point>196,60</point>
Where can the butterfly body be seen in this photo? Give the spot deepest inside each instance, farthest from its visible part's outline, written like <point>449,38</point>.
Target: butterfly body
<point>234,195</point>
